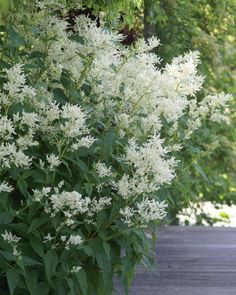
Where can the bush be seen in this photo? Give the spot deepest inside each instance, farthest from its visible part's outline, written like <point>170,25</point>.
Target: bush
<point>90,132</point>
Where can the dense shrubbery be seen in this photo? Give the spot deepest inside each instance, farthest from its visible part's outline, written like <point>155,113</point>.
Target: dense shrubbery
<point>90,136</point>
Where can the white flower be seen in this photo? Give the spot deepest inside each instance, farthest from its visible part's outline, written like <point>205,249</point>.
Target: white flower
<point>17,252</point>
<point>40,194</point>
<point>16,79</point>
<point>48,238</point>
<point>151,167</point>
<point>69,202</point>
<point>150,209</point>
<point>7,129</point>
<point>124,187</point>
<point>85,141</point>
<point>10,238</point>
<point>74,240</point>
<point>127,214</point>
<point>63,238</point>
<point>5,187</point>
<point>142,46</point>
<point>100,204</point>
<point>76,269</point>
<point>30,119</point>
<point>75,124</point>
<point>13,240</point>
<point>53,161</point>
<point>103,170</point>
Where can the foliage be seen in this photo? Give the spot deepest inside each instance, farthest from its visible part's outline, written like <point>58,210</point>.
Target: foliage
<point>115,9</point>
<point>91,132</point>
<point>208,26</point>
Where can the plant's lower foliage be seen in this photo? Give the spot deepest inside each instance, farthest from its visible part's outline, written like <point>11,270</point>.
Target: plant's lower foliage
<point>89,135</point>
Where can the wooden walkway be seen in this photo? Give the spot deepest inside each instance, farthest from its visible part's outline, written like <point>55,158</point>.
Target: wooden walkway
<point>191,261</point>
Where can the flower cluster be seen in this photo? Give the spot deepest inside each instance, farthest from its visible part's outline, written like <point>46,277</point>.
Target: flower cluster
<point>13,240</point>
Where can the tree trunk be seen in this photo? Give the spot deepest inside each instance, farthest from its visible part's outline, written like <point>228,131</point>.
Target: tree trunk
<point>149,23</point>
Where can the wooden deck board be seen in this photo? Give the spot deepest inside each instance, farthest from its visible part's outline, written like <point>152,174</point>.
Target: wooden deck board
<point>191,261</point>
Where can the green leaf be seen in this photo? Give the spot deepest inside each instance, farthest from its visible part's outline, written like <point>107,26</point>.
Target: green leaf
<point>101,218</point>
<point>43,289</point>
<point>60,95</point>
<point>72,287</point>
<point>82,280</point>
<point>37,223</point>
<point>22,184</point>
<point>107,249</point>
<point>31,279</point>
<point>82,165</point>
<point>88,251</point>
<point>108,142</point>
<point>51,262</point>
<point>12,280</point>
<point>21,227</point>
<point>104,264</point>
<point>8,256</point>
<point>88,188</point>
<point>39,176</point>
<point>14,39</point>
<point>78,39</point>
<point>5,218</point>
<point>37,54</point>
<point>34,208</point>
<point>4,199</point>
<point>3,264</point>
<point>116,208</point>
<point>201,172</point>
<point>27,261</point>
<point>37,245</point>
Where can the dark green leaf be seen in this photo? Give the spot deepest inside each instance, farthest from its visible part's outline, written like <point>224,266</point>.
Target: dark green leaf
<point>37,245</point>
<point>27,261</point>
<point>108,142</point>
<point>31,279</point>
<point>12,280</point>
<point>5,218</point>
<point>88,188</point>
<point>22,184</point>
<point>37,223</point>
<point>201,172</point>
<point>82,165</point>
<point>14,39</point>
<point>50,261</point>
<point>82,279</point>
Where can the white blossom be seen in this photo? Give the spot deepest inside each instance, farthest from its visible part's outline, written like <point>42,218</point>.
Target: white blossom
<point>38,195</point>
<point>151,210</point>
<point>103,170</point>
<point>69,202</point>
<point>48,238</point>
<point>76,268</point>
<point>10,238</point>
<point>6,187</point>
<point>127,214</point>
<point>74,240</point>
<point>53,161</point>
<point>13,240</point>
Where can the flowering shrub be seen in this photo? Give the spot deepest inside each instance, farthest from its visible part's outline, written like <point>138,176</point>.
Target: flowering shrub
<point>89,134</point>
